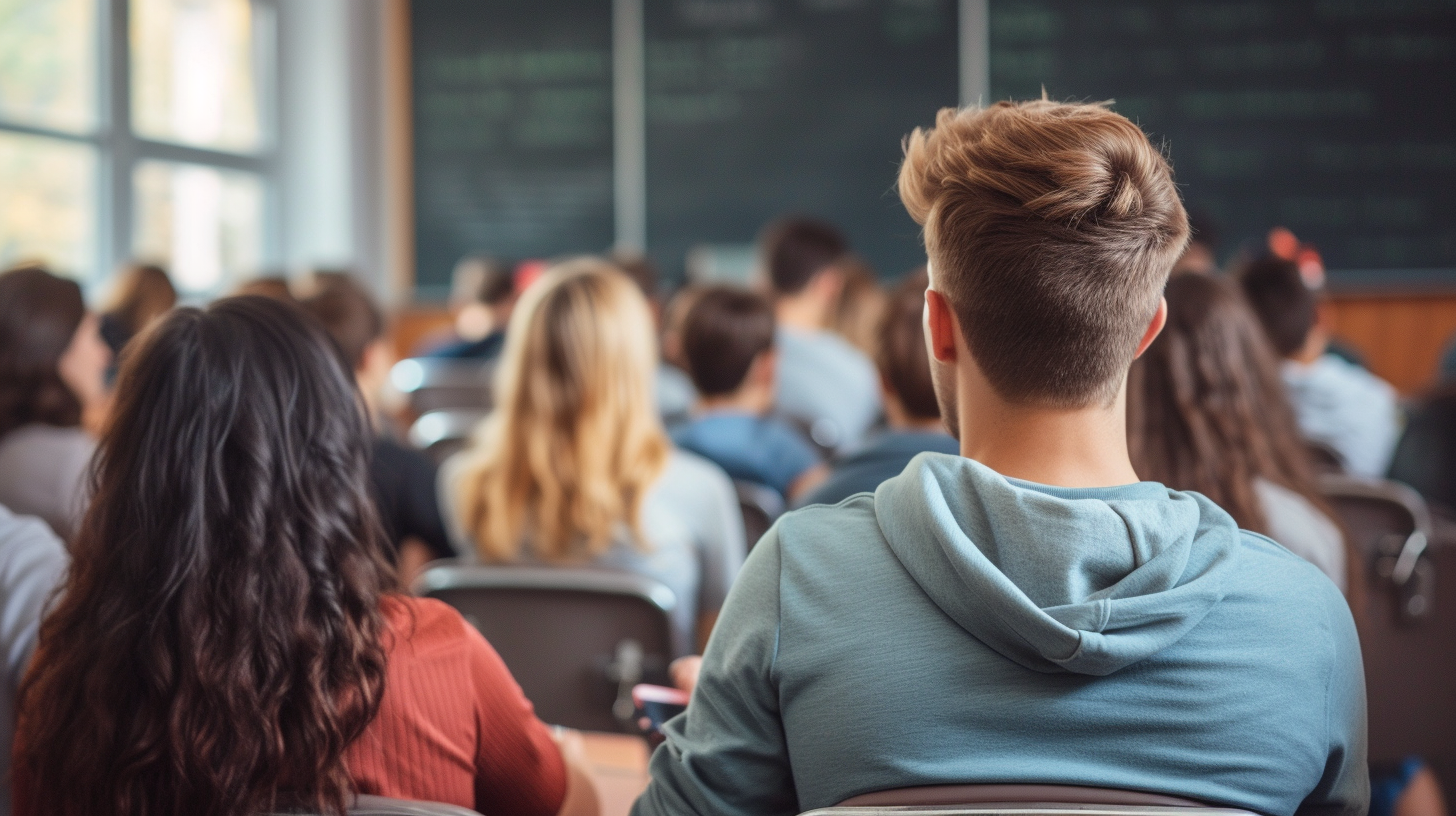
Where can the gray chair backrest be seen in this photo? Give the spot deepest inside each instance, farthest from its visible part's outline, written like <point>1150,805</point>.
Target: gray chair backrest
<point>1020,800</point>
<point>577,640</point>
<point>440,384</point>
<point>1408,634</point>
<point>383,806</point>
<point>441,433</point>
<point>760,505</point>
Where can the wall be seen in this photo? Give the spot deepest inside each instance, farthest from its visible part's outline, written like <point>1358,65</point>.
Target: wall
<point>1401,335</point>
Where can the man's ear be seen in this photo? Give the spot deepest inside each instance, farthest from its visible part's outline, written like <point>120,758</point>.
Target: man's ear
<point>765,366</point>
<point>1155,327</point>
<point>940,327</point>
<point>827,283</point>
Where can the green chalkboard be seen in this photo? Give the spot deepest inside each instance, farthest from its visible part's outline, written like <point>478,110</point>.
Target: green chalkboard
<point>759,108</point>
<point>512,111</point>
<point>1335,118</point>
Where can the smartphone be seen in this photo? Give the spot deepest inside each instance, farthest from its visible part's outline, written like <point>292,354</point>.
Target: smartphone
<point>659,704</point>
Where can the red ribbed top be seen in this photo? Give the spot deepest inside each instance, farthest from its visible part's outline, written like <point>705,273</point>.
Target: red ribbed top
<point>453,725</point>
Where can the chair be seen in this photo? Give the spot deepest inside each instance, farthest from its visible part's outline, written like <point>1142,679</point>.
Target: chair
<point>760,505</point>
<point>439,384</point>
<point>1324,457</point>
<point>382,806</point>
<point>1020,800</point>
<point>1408,634</point>
<point>441,433</point>
<point>577,640</point>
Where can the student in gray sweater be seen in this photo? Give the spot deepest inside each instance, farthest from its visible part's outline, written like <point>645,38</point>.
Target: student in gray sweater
<point>1027,611</point>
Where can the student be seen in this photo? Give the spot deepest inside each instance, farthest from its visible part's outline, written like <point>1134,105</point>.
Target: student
<point>274,286</point>
<point>1207,412</point>
<point>574,468</point>
<point>728,340</point>
<point>1027,612</point>
<point>483,294</point>
<point>909,397</point>
<point>230,639</point>
<point>52,385</point>
<point>142,293</point>
<point>1426,456</point>
<point>1336,402</point>
<point>823,381</point>
<point>32,563</point>
<point>402,479</point>
<point>855,315</point>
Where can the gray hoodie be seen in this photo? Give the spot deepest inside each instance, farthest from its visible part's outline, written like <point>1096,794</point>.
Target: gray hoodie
<point>961,627</point>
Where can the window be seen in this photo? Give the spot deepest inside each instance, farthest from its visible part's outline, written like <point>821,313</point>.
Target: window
<point>138,128</point>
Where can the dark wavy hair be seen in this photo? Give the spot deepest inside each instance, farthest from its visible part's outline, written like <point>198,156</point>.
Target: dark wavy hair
<point>39,314</point>
<point>218,642</point>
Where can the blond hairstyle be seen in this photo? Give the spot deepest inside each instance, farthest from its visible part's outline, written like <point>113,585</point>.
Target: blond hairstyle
<point>575,441</point>
<point>1051,230</point>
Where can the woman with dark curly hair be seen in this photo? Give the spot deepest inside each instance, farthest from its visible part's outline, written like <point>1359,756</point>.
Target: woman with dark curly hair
<point>52,377</point>
<point>231,640</point>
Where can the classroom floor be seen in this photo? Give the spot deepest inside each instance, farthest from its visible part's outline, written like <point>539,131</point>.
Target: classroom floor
<point>617,764</point>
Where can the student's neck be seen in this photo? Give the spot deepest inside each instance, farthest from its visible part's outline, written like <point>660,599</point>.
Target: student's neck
<point>803,311</point>
<point>1084,447</point>
<point>1315,346</point>
<point>745,400</point>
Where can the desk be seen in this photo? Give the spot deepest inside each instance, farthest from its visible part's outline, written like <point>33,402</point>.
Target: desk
<point>617,764</point>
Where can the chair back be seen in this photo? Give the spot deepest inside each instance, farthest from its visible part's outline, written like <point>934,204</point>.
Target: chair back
<point>439,384</point>
<point>1408,634</point>
<point>1021,800</point>
<point>383,806</point>
<point>577,640</point>
<point>1324,457</point>
<point>440,434</point>
<point>760,505</point>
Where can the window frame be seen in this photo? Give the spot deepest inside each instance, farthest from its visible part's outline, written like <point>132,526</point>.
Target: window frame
<point>119,150</point>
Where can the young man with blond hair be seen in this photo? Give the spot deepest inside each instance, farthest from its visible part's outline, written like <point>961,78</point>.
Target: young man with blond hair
<point>1027,611</point>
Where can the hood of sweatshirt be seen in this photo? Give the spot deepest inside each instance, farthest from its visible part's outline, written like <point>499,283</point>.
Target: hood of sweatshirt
<point>1084,580</point>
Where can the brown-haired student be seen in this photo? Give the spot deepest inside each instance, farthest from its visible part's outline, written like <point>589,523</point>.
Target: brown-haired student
<point>1028,611</point>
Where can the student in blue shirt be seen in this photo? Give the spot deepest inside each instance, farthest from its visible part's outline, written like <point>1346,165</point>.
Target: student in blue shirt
<point>1029,611</point>
<point>728,344</point>
<point>911,410</point>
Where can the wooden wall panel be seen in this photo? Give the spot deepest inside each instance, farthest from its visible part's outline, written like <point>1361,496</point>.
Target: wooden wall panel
<point>1401,336</point>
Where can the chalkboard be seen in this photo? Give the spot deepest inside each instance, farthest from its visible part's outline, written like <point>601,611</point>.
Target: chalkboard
<point>1335,118</point>
<point>758,108</point>
<point>512,130</point>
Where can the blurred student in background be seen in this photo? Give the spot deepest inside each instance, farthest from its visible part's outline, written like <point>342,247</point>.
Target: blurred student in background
<point>824,382</point>
<point>1207,412</point>
<point>574,468</point>
<point>230,640</point>
<point>52,396</point>
<point>270,285</point>
<point>728,340</point>
<point>142,293</point>
<point>1335,402</point>
<point>855,315</point>
<point>402,479</point>
<point>482,293</point>
<point>911,410</point>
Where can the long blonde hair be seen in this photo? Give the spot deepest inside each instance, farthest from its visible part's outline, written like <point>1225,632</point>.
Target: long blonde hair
<point>575,441</point>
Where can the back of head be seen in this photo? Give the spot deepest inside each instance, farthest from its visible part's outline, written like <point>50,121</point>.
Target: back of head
<point>724,331</point>
<point>1051,229</point>
<point>901,357</point>
<point>575,441</point>
<point>218,641</point>
<point>796,249</point>
<point>271,286</point>
<point>1206,408</point>
<point>481,279</point>
<point>143,293</point>
<point>1287,307</point>
<point>348,313</point>
<point>39,314</point>
<point>856,313</point>
<point>640,268</point>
